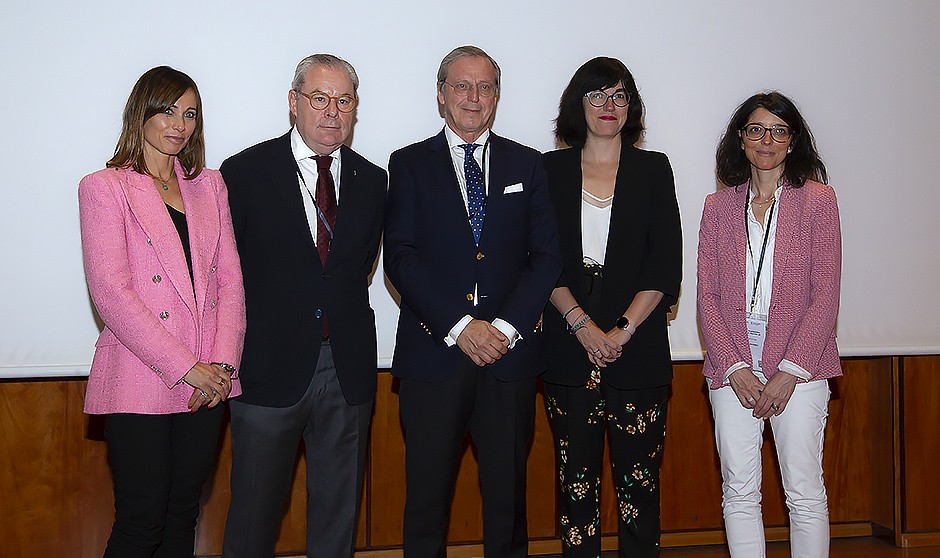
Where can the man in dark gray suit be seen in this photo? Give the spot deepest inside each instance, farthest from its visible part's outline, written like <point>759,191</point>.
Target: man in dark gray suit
<point>307,212</point>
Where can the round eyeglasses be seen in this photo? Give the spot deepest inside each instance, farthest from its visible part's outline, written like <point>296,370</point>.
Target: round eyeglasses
<point>599,98</point>
<point>463,88</point>
<point>320,100</point>
<point>756,132</point>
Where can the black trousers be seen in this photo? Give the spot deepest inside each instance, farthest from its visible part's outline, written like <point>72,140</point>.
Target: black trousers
<point>159,464</point>
<point>635,423</point>
<point>436,417</point>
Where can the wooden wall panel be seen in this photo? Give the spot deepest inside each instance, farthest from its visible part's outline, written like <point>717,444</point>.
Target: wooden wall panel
<point>921,443</point>
<point>54,476</point>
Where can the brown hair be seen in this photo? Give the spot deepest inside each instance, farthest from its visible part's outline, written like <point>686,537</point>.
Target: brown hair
<point>157,90</point>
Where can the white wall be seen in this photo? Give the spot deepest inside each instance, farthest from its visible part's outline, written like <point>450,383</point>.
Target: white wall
<point>865,75</point>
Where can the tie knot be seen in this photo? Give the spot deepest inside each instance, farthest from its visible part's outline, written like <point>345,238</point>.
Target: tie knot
<point>469,147</point>
<point>323,162</point>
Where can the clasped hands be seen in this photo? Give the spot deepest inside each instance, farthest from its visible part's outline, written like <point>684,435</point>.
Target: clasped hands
<point>482,342</point>
<point>602,348</point>
<point>766,400</point>
<point>211,385</point>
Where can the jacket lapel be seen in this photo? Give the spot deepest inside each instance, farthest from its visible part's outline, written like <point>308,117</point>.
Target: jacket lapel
<point>204,229</point>
<point>282,170</point>
<point>151,213</point>
<point>445,179</point>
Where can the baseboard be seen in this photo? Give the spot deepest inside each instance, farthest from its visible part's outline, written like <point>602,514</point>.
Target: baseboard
<point>909,540</point>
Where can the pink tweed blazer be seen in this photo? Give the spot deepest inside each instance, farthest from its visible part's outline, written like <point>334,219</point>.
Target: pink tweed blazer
<point>807,271</point>
<point>158,321</point>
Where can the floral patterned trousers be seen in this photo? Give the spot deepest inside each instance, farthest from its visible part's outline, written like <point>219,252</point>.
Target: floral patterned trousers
<point>635,423</point>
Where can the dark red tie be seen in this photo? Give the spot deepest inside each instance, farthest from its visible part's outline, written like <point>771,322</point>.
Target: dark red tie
<point>326,203</point>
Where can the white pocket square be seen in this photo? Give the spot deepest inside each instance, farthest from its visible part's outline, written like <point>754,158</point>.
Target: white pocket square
<point>513,189</point>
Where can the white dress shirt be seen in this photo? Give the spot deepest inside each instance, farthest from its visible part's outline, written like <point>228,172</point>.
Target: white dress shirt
<point>761,297</point>
<point>308,169</point>
<point>457,154</point>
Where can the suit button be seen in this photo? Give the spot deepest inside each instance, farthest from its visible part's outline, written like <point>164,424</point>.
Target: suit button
<point>212,269</point>
<point>212,304</point>
<point>325,276</point>
<point>149,243</point>
<point>164,315</point>
<point>157,278</point>
<point>480,256</point>
<point>318,313</point>
<point>470,297</point>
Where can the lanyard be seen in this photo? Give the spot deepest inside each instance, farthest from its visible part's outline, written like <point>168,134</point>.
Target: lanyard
<point>763,250</point>
<point>313,198</point>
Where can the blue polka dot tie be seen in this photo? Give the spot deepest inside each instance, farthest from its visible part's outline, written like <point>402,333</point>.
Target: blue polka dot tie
<point>476,192</point>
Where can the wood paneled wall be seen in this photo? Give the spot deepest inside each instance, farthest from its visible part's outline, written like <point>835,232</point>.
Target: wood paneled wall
<point>880,453</point>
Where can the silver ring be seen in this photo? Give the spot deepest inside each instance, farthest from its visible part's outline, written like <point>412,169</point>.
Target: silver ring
<point>221,383</point>
<point>595,351</point>
<point>774,406</point>
<point>750,399</point>
<point>204,394</point>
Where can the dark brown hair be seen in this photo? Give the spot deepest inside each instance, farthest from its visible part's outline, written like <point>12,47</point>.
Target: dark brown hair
<point>597,74</point>
<point>156,91</point>
<point>732,166</point>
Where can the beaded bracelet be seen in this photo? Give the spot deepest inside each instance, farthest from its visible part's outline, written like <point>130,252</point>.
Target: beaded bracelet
<point>579,324</point>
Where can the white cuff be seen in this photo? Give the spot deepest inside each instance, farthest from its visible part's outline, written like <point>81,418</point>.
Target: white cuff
<point>734,368</point>
<point>455,331</point>
<point>508,330</point>
<point>795,369</point>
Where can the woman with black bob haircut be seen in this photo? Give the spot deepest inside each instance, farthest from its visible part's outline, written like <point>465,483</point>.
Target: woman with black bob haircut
<point>609,365</point>
<point>769,270</point>
<point>164,274</point>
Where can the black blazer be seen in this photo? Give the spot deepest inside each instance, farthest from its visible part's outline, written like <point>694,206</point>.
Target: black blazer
<point>644,252</point>
<point>431,258</point>
<point>287,290</point>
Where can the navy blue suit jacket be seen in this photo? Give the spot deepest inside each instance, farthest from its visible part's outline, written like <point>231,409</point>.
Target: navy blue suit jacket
<point>432,260</point>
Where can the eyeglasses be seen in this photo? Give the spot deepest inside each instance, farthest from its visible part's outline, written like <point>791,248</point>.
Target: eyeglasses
<point>463,88</point>
<point>599,98</point>
<point>320,100</point>
<point>756,132</point>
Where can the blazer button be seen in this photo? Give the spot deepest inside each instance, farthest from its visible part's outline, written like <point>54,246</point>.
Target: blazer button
<point>149,243</point>
<point>164,315</point>
<point>325,276</point>
<point>212,269</point>
<point>212,304</point>
<point>480,256</point>
<point>318,313</point>
<point>470,297</point>
<point>157,278</point>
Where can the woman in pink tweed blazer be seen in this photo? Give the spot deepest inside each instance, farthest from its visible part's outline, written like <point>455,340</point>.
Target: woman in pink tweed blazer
<point>164,274</point>
<point>769,267</point>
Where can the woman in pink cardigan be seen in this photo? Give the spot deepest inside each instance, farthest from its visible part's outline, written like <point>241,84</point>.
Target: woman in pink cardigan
<point>164,275</point>
<point>769,266</point>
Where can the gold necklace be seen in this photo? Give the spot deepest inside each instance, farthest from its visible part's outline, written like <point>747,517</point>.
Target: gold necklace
<point>162,182</point>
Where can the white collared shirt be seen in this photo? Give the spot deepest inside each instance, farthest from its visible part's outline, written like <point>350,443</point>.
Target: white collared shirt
<point>755,235</point>
<point>457,156</point>
<point>308,169</point>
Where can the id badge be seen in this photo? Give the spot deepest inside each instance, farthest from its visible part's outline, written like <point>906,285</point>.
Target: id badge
<point>756,332</point>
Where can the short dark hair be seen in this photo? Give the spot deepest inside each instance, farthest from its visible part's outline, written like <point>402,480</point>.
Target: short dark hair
<point>157,90</point>
<point>599,73</point>
<point>802,162</point>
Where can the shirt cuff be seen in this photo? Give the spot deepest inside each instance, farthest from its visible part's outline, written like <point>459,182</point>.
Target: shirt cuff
<point>455,331</point>
<point>508,330</point>
<point>794,369</point>
<point>734,368</point>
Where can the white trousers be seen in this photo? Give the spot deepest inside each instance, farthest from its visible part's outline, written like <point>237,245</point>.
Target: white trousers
<point>798,436</point>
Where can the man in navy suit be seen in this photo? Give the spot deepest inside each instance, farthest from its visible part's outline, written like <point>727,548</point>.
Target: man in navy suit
<point>472,246</point>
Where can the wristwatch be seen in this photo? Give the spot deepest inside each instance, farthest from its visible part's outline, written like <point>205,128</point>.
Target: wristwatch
<point>623,323</point>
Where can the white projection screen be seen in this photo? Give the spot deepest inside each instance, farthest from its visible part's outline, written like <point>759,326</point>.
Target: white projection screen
<point>864,73</point>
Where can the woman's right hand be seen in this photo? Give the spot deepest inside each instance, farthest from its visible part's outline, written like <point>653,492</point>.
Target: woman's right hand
<point>211,385</point>
<point>601,350</point>
<point>746,386</point>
